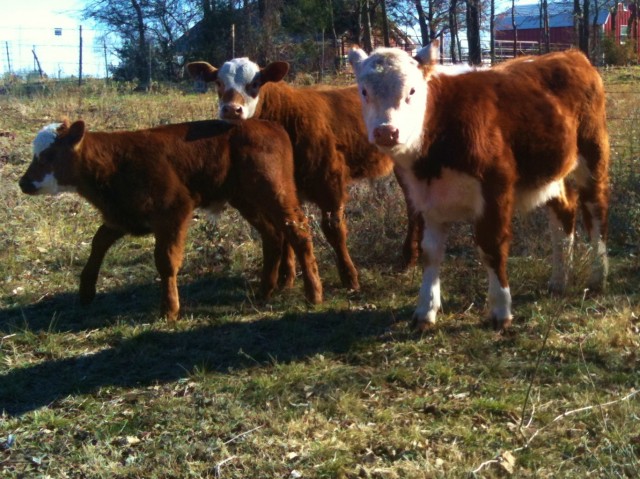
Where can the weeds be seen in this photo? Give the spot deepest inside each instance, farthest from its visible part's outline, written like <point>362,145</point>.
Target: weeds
<point>240,388</point>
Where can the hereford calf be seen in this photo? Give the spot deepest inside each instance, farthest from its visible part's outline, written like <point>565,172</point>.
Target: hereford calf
<point>329,141</point>
<point>150,181</point>
<point>479,145</point>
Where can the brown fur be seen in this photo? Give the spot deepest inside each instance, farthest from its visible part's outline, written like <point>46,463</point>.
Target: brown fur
<point>150,181</point>
<point>330,151</point>
<point>516,127</point>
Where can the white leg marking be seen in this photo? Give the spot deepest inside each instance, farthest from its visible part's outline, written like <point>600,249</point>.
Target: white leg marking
<point>599,260</point>
<point>499,299</point>
<point>433,245</point>
<point>562,253</point>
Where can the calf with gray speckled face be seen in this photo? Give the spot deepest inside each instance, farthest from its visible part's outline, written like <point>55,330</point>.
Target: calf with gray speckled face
<point>479,145</point>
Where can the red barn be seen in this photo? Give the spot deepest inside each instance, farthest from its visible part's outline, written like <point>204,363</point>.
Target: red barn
<point>562,31</point>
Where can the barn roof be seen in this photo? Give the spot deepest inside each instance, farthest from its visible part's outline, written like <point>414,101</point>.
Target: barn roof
<point>528,16</point>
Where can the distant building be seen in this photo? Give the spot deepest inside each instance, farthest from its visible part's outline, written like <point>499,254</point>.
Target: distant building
<point>562,30</point>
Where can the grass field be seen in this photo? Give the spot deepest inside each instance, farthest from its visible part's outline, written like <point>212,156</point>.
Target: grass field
<point>240,388</point>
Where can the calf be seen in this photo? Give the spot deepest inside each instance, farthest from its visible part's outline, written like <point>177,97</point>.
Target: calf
<point>478,145</point>
<point>150,181</point>
<point>329,141</point>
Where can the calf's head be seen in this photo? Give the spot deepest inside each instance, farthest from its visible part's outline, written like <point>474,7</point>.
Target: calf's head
<point>238,83</point>
<point>56,150</point>
<point>393,90</point>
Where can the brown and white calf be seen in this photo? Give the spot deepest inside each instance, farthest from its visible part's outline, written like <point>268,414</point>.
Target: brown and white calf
<point>480,145</point>
<point>329,142</point>
<point>150,181</point>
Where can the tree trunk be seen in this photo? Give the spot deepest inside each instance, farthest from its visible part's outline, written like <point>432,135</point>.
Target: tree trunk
<point>584,30</point>
<point>515,28</point>
<point>492,36</point>
<point>143,66</point>
<point>368,40</point>
<point>453,28</point>
<point>432,26</point>
<point>385,24</point>
<point>546,40</point>
<point>473,32</point>
<point>614,21</point>
<point>422,22</point>
<point>577,21</point>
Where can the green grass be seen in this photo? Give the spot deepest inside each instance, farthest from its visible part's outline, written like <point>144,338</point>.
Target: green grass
<point>240,388</point>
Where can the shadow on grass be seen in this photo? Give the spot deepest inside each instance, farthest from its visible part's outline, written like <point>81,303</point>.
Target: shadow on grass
<point>153,357</point>
<point>136,302</point>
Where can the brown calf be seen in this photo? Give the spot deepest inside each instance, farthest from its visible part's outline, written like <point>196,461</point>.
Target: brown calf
<point>329,141</point>
<point>479,145</point>
<point>150,181</point>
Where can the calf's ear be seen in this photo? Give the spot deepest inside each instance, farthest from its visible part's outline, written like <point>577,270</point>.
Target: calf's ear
<point>274,71</point>
<point>429,54</point>
<point>202,71</point>
<point>76,132</point>
<point>356,57</point>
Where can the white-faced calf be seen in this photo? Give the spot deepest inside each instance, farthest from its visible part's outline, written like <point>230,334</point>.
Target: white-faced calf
<point>478,146</point>
<point>329,141</point>
<point>150,181</point>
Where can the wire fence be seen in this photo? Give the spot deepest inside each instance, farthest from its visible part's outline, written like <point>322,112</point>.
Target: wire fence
<point>56,52</point>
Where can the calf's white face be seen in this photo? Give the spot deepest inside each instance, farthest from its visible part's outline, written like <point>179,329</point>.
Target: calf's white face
<point>393,90</point>
<point>50,170</point>
<point>238,83</point>
<point>238,87</point>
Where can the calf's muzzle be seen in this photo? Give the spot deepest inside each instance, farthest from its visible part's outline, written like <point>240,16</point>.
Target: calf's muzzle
<point>386,135</point>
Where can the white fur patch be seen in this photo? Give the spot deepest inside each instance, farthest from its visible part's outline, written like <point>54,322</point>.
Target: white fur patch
<point>581,174</point>
<point>455,70</point>
<point>394,94</point>
<point>45,137</point>
<point>526,200</point>
<point>454,196</point>
<point>434,245</point>
<point>499,298</point>
<point>235,75</point>
<point>562,253</point>
<point>50,186</point>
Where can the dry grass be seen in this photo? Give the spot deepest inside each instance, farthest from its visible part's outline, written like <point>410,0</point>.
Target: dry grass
<point>243,389</point>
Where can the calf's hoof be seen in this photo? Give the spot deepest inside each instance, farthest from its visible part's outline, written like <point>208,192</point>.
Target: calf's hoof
<point>286,282</point>
<point>314,297</point>
<point>501,324</point>
<point>422,322</point>
<point>86,295</point>
<point>556,288</point>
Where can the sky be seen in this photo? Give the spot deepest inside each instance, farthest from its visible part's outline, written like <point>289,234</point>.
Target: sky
<point>27,25</point>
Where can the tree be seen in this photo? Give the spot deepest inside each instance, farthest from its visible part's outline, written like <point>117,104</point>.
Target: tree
<point>127,18</point>
<point>473,32</point>
<point>147,30</point>
<point>544,19</point>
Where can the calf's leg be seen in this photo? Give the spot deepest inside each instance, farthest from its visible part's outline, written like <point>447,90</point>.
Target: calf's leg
<point>297,233</point>
<point>335,230</point>
<point>562,222</point>
<point>104,238</point>
<point>411,247</point>
<point>593,190</point>
<point>493,235</point>
<point>331,195</point>
<point>433,249</point>
<point>168,253</point>
<point>287,272</point>
<point>273,243</point>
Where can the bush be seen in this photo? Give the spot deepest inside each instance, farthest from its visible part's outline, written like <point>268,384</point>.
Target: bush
<point>619,54</point>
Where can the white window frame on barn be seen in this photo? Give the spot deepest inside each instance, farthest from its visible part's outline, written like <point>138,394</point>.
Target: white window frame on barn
<point>623,34</point>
